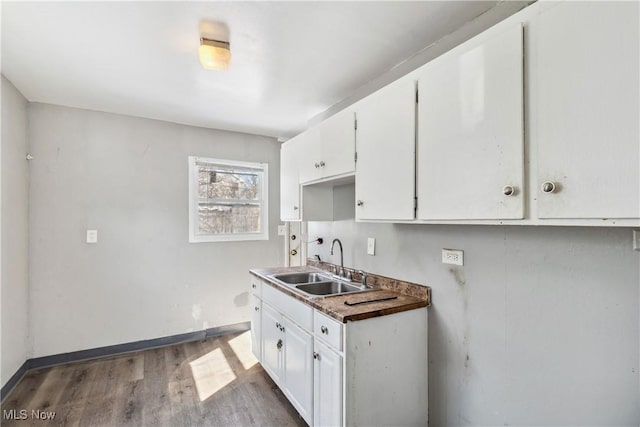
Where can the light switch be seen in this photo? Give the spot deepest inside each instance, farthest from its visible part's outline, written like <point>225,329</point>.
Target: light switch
<point>371,246</point>
<point>92,236</point>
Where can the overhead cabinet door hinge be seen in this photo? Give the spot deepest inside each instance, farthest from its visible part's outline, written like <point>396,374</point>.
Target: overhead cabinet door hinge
<point>355,157</point>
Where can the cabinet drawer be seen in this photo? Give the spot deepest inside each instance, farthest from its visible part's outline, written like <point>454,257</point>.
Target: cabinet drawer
<point>328,330</point>
<point>292,308</point>
<point>256,287</point>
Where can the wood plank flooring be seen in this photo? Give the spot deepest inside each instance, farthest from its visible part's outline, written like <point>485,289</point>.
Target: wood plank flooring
<point>216,382</point>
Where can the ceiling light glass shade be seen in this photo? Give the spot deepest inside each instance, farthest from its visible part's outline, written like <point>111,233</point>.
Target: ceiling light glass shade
<point>214,54</point>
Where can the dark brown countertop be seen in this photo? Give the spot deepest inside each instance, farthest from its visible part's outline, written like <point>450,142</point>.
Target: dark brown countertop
<point>335,306</point>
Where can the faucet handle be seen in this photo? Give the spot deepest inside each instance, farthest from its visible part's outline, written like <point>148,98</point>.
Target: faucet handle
<point>348,275</point>
<point>364,275</point>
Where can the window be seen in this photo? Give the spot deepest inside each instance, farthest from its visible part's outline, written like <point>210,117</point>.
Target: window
<point>227,200</point>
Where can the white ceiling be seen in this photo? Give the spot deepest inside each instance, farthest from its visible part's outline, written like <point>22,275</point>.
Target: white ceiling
<point>290,60</point>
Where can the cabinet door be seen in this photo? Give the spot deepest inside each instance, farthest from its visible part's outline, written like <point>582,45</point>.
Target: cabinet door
<point>385,143</point>
<point>470,131</point>
<point>272,343</point>
<point>586,80</point>
<point>298,368</point>
<point>309,150</point>
<point>336,137</point>
<point>327,386</point>
<point>256,326</point>
<point>289,181</point>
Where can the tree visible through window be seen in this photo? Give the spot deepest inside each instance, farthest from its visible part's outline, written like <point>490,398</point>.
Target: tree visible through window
<point>228,200</point>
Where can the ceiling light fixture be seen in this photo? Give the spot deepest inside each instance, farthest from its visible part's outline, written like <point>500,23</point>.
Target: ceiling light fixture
<point>214,54</point>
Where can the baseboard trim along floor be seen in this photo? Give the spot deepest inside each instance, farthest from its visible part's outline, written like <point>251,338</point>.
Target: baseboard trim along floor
<point>113,350</point>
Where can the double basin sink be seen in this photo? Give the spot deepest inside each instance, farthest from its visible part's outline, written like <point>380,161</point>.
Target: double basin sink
<point>313,283</point>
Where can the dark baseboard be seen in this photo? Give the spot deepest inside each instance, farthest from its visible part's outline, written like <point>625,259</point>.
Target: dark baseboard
<point>114,350</point>
<point>15,378</point>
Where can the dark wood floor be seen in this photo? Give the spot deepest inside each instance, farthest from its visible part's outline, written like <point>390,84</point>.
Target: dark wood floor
<point>216,382</point>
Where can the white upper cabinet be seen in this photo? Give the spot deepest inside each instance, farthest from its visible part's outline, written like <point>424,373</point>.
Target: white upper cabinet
<point>329,148</point>
<point>385,145</point>
<point>470,131</point>
<point>586,118</point>
<point>533,122</point>
<point>290,181</point>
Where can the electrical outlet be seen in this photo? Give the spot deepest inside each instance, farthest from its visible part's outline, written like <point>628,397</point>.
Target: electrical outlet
<point>636,240</point>
<point>371,246</point>
<point>281,230</point>
<point>92,236</point>
<point>453,256</point>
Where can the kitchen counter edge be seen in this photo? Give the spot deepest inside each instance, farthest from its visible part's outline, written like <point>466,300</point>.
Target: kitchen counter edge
<point>334,305</point>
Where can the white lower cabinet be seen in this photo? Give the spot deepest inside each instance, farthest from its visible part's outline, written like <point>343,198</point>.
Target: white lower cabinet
<point>354,373</point>
<point>327,386</point>
<point>255,314</point>
<point>272,344</point>
<point>287,356</point>
<point>256,326</point>
<point>298,368</point>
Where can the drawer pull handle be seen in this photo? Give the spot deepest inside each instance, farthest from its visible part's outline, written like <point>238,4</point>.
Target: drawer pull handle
<point>324,330</point>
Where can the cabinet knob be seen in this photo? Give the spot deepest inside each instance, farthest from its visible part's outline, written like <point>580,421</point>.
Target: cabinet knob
<point>508,190</point>
<point>256,309</point>
<point>316,356</point>
<point>294,252</point>
<point>322,163</point>
<point>253,286</point>
<point>317,165</point>
<point>324,330</point>
<point>277,325</point>
<point>282,328</point>
<point>548,187</point>
<point>295,208</point>
<point>359,203</point>
<point>279,344</point>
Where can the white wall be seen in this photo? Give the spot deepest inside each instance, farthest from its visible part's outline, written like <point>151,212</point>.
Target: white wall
<point>14,230</point>
<point>127,178</point>
<point>539,327</point>
<point>499,12</point>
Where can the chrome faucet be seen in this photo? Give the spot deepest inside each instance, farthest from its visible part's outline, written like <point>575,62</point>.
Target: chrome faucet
<point>341,255</point>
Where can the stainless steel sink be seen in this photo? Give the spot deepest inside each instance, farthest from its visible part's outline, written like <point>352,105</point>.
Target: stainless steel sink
<point>297,278</point>
<point>328,288</point>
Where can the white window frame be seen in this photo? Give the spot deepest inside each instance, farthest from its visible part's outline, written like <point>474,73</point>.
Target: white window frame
<point>262,168</point>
